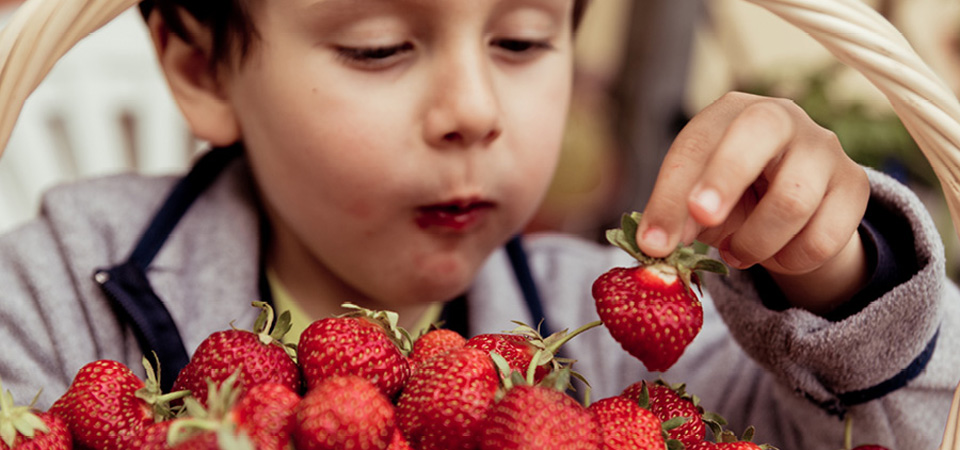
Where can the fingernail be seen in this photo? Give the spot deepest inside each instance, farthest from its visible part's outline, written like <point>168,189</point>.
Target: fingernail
<point>730,259</point>
<point>655,237</point>
<point>708,200</point>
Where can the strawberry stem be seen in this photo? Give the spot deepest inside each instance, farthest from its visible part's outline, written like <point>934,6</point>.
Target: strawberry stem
<point>555,345</point>
<point>532,368</point>
<point>848,433</point>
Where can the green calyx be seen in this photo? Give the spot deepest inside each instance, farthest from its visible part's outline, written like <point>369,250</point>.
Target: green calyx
<point>152,394</point>
<point>547,347</point>
<point>18,420</point>
<point>685,259</point>
<point>558,379</point>
<point>215,417</point>
<point>545,354</point>
<point>674,422</point>
<point>389,320</point>
<point>270,332</point>
<point>729,437</point>
<point>712,420</point>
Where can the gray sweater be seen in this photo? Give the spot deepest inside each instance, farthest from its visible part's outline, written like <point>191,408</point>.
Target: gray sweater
<point>754,365</point>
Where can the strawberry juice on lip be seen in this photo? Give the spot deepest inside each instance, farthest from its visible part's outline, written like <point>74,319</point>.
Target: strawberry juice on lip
<point>453,217</point>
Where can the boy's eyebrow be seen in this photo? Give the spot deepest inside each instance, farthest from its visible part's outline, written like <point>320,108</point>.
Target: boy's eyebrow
<point>347,7</point>
<point>342,7</point>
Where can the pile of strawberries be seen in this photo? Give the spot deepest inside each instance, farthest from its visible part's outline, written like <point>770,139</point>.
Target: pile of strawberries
<point>358,381</point>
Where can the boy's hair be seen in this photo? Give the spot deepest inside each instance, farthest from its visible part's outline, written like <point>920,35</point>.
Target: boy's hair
<point>231,23</point>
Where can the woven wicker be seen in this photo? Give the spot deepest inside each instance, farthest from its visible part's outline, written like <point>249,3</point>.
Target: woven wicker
<point>38,34</point>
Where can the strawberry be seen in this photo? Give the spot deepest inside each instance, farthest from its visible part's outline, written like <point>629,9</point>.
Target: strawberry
<point>739,445</point>
<point>539,417</point>
<point>260,354</point>
<point>265,414</point>
<point>727,440</point>
<point>106,406</point>
<point>344,411</point>
<point>259,416</point>
<point>158,437</point>
<point>736,445</point>
<point>23,428</point>
<point>154,437</point>
<point>651,309</point>
<point>356,344</point>
<point>220,439</point>
<point>443,405</point>
<point>399,442</point>
<point>433,343</point>
<point>525,351</point>
<point>626,425</point>
<point>207,440</point>
<point>516,349</point>
<point>672,401</point>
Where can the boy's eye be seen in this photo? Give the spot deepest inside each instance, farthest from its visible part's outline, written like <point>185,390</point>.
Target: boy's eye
<point>373,55</point>
<point>521,46</point>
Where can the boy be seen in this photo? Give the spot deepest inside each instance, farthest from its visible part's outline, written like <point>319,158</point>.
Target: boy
<point>390,148</point>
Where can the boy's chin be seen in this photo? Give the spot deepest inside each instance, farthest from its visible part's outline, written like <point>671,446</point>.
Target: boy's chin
<point>440,290</point>
<point>424,291</point>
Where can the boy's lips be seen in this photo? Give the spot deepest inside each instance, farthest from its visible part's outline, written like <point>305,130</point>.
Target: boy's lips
<point>455,216</point>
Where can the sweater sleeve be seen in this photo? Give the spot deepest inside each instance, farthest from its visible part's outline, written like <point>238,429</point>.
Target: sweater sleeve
<point>888,353</point>
<point>44,328</point>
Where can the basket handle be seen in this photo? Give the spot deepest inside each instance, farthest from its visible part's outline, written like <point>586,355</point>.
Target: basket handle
<point>38,34</point>
<point>863,39</point>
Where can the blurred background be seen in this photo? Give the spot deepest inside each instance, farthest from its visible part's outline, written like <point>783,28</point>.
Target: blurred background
<point>644,68</point>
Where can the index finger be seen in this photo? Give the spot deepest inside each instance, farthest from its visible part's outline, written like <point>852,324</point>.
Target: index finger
<point>665,215</point>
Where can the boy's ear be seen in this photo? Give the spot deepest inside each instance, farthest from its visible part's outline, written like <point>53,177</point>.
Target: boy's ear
<point>194,82</point>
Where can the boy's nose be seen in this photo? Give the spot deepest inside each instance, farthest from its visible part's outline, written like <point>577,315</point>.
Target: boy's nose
<point>464,109</point>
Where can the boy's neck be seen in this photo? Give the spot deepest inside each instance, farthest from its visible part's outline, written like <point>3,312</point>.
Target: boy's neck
<point>319,294</point>
<point>310,298</point>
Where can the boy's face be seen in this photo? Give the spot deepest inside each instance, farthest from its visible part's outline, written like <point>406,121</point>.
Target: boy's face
<point>397,143</point>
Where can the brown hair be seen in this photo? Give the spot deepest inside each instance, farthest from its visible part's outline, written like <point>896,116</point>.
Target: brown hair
<point>231,23</point>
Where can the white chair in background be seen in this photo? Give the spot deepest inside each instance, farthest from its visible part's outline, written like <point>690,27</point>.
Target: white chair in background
<point>104,108</point>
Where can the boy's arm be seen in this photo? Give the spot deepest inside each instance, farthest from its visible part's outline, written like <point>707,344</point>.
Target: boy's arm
<point>888,357</point>
<point>40,319</point>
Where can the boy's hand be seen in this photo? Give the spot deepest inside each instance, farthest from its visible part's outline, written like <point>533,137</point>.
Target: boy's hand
<point>758,179</point>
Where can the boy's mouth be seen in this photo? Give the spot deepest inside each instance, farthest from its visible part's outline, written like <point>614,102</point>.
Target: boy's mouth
<point>455,216</point>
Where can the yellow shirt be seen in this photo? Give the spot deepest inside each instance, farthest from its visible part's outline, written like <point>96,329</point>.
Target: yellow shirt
<point>300,320</point>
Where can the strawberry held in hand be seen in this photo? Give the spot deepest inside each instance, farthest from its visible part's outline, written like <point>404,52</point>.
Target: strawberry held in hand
<point>651,309</point>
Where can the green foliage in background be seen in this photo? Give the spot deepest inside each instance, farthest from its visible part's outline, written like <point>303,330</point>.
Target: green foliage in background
<point>872,138</point>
